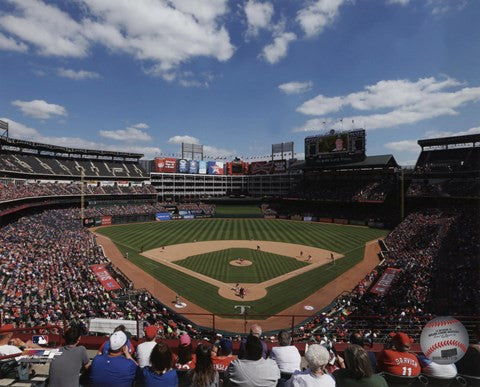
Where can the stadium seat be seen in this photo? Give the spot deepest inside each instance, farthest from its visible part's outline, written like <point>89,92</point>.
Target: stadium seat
<point>396,380</point>
<point>473,381</point>
<point>442,382</point>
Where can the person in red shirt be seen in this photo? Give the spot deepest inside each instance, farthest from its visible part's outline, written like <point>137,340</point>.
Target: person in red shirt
<point>223,356</point>
<point>398,360</point>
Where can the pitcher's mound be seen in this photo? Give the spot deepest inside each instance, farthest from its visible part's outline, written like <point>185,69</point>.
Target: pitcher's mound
<point>237,262</point>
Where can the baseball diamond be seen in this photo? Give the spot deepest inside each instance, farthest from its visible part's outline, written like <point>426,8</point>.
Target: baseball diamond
<point>145,244</point>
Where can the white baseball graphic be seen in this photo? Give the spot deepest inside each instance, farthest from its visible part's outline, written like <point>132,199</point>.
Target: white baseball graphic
<point>444,340</point>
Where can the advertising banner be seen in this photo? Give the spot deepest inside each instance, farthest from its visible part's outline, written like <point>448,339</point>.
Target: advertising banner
<point>162,216</point>
<point>279,166</point>
<point>88,222</point>
<point>202,167</point>
<point>183,212</point>
<point>307,219</point>
<point>261,167</point>
<point>98,221</point>
<point>188,216</point>
<point>105,278</point>
<point>326,220</point>
<point>385,281</point>
<point>182,166</point>
<point>215,168</point>
<point>106,220</point>
<point>193,166</point>
<point>165,164</point>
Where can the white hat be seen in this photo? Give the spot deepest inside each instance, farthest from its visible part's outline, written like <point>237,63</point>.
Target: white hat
<point>117,340</point>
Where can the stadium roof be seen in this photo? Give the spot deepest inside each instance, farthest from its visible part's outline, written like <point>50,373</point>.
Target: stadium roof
<point>7,141</point>
<point>469,138</point>
<point>379,161</point>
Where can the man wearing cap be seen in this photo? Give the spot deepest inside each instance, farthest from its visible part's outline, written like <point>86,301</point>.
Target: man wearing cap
<point>224,355</point>
<point>254,370</point>
<point>117,368</point>
<point>397,360</point>
<point>255,330</point>
<point>145,349</point>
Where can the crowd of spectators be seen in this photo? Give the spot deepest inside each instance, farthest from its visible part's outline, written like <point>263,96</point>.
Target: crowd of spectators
<point>124,209</point>
<point>462,188</point>
<point>10,190</point>
<point>349,189</point>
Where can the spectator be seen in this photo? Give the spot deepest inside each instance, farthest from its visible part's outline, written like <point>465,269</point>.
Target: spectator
<point>117,368</point>
<point>255,330</point>
<point>469,364</point>
<point>106,344</point>
<point>204,374</point>
<point>65,369</point>
<point>161,372</point>
<point>145,349</point>
<point>317,358</point>
<point>9,346</point>
<point>442,371</point>
<point>358,339</point>
<point>398,361</point>
<point>254,370</point>
<point>286,355</point>
<point>186,357</point>
<point>358,371</point>
<point>224,355</point>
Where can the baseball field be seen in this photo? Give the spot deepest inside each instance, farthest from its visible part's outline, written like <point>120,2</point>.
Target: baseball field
<point>279,262</point>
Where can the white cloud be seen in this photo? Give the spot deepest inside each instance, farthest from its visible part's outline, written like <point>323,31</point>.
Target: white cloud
<point>409,102</point>
<point>443,133</point>
<point>130,133</point>
<point>258,15</point>
<point>21,131</point>
<point>403,146</point>
<point>40,109</point>
<point>208,150</point>
<point>318,15</point>
<point>185,138</point>
<point>296,87</point>
<point>77,75</point>
<point>10,44</point>
<point>401,2</point>
<point>164,34</point>
<point>46,27</point>
<point>272,53</point>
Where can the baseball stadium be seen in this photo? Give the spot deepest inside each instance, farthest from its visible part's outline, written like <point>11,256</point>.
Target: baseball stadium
<point>251,193</point>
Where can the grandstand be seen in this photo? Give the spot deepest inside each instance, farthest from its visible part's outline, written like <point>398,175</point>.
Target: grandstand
<point>433,249</point>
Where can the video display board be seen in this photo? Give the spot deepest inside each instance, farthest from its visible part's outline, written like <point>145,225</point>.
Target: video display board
<point>336,146</point>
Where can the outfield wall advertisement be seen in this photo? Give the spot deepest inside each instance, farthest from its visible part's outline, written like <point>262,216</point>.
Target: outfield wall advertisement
<point>163,216</point>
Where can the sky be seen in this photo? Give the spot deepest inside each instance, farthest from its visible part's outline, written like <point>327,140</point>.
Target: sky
<point>238,75</point>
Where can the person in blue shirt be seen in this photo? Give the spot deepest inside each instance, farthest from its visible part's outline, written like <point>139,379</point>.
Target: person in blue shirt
<point>115,368</point>
<point>161,372</point>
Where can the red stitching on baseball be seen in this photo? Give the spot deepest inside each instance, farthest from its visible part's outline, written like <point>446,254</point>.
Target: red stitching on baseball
<point>436,324</point>
<point>445,343</point>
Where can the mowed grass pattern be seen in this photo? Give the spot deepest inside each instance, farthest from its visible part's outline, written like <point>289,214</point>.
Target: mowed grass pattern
<point>347,240</point>
<point>264,265</point>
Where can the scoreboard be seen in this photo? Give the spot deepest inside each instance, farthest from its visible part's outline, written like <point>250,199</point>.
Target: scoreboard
<point>336,147</point>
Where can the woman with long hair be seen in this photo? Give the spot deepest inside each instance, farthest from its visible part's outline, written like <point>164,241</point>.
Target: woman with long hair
<point>161,372</point>
<point>203,375</point>
<point>358,370</point>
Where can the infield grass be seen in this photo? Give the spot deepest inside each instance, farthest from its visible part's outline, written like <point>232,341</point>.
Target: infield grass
<point>347,240</point>
<point>265,266</point>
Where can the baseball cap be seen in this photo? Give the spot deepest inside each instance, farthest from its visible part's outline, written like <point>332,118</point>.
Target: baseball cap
<point>151,331</point>
<point>117,340</point>
<point>401,339</point>
<point>185,339</point>
<point>6,327</point>
<point>226,345</point>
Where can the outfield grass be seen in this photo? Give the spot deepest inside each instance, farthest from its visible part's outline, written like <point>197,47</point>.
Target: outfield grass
<point>265,266</point>
<point>243,211</point>
<point>347,240</point>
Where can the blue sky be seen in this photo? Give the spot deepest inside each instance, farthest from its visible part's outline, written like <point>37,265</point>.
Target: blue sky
<point>237,76</point>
